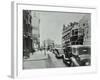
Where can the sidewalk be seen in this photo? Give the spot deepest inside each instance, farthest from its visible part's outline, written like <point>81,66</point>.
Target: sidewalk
<point>39,55</point>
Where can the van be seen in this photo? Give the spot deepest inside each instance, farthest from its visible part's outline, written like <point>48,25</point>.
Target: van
<point>83,51</point>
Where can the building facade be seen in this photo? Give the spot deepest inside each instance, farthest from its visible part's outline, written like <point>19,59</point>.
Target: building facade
<point>85,23</point>
<point>31,35</point>
<point>27,32</point>
<point>77,33</point>
<point>48,44</point>
<point>66,35</point>
<point>35,30</point>
<point>72,35</point>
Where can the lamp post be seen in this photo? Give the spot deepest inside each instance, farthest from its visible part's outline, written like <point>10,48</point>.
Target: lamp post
<point>44,48</point>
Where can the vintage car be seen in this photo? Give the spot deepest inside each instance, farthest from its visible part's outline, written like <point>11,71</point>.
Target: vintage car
<point>83,52</point>
<point>58,52</point>
<point>66,58</point>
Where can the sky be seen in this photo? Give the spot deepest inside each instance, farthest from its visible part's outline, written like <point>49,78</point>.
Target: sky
<point>51,24</point>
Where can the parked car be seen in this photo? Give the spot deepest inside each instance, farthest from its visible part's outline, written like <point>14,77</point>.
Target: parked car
<point>58,52</point>
<point>66,58</point>
<point>84,54</point>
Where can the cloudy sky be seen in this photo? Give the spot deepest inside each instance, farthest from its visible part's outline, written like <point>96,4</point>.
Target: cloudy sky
<point>51,24</point>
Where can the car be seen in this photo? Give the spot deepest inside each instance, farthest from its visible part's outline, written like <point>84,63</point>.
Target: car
<point>84,54</point>
<point>66,58</point>
<point>67,61</point>
<point>58,53</point>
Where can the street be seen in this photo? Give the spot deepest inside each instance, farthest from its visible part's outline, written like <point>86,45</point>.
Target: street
<point>42,59</point>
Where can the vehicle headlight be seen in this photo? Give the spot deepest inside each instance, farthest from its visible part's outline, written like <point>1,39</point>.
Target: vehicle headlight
<point>87,63</point>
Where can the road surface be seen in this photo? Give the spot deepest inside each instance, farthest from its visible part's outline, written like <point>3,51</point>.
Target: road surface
<point>41,60</point>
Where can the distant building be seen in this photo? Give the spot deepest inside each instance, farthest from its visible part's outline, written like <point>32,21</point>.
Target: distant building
<point>85,23</point>
<point>35,30</point>
<point>57,46</point>
<point>48,44</point>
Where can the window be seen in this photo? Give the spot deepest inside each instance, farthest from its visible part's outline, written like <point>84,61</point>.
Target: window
<point>84,24</point>
<point>75,32</point>
<point>72,32</point>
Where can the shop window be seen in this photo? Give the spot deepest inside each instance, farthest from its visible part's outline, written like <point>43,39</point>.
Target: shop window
<point>72,32</point>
